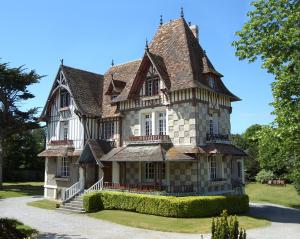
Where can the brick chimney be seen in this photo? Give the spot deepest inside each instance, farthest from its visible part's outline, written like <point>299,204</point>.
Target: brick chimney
<point>195,31</point>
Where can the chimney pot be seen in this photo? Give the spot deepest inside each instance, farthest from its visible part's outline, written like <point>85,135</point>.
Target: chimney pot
<point>195,30</point>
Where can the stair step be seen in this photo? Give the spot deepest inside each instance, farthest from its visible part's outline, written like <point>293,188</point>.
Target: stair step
<point>71,210</point>
<point>71,207</point>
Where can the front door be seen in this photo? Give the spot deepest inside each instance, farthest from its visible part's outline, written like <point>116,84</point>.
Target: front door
<point>107,171</point>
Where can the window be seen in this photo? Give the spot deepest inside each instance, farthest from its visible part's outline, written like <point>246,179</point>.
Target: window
<point>162,123</point>
<point>162,171</point>
<point>212,168</point>
<point>113,97</point>
<point>149,171</point>
<point>211,82</point>
<point>213,124</point>
<point>65,167</point>
<point>64,99</point>
<point>109,130</point>
<point>151,87</point>
<point>66,130</point>
<point>148,124</point>
<point>239,169</point>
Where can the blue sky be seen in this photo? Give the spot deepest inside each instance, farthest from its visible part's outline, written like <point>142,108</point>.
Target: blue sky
<point>89,34</point>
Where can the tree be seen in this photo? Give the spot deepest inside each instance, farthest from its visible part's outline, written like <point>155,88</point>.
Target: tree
<point>14,83</point>
<point>248,141</point>
<point>21,150</point>
<point>273,34</point>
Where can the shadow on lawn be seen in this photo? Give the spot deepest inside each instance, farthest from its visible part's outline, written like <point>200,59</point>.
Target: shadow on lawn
<point>22,189</point>
<point>49,235</point>
<point>275,213</point>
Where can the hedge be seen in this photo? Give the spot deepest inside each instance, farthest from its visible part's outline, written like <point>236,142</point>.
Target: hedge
<point>167,206</point>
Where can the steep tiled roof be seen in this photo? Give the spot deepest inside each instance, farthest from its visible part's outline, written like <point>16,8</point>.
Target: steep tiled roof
<point>86,89</point>
<point>125,73</point>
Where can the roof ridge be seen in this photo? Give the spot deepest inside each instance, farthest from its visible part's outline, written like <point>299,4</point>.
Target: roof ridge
<point>81,70</point>
<point>125,63</point>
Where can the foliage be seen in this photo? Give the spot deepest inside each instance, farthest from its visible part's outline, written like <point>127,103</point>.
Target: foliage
<point>273,34</point>
<point>248,141</point>
<point>14,83</point>
<point>13,229</point>
<point>191,206</point>
<point>21,150</point>
<point>221,228</point>
<point>264,176</point>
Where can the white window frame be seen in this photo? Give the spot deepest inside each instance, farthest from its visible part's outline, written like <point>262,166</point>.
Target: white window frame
<point>162,123</point>
<point>149,172</point>
<point>108,130</point>
<point>211,82</point>
<point>148,124</point>
<point>65,167</point>
<point>212,168</point>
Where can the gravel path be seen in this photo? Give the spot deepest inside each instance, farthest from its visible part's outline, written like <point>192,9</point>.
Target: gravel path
<point>56,224</point>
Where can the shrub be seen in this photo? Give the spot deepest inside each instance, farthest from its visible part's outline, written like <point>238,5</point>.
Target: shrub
<point>192,206</point>
<point>11,228</point>
<point>264,176</point>
<point>222,229</point>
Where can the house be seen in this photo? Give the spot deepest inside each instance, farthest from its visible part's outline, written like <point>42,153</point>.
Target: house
<point>159,123</point>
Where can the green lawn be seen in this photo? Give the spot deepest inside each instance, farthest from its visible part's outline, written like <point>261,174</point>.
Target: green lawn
<point>187,225</point>
<point>20,189</point>
<point>286,196</point>
<point>44,203</point>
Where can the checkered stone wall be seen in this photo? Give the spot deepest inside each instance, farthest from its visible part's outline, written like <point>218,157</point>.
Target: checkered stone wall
<point>183,174</point>
<point>224,121</point>
<point>182,124</point>
<point>132,173</point>
<point>202,122</point>
<point>130,124</point>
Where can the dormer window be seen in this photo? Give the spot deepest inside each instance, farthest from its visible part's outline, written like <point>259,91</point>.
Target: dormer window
<point>211,82</point>
<point>151,87</point>
<point>64,99</point>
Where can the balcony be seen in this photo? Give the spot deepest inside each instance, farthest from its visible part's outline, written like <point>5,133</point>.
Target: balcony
<point>217,137</point>
<point>148,139</point>
<point>61,143</point>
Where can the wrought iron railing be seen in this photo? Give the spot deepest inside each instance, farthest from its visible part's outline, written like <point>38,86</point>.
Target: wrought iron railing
<point>213,137</point>
<point>98,186</point>
<point>150,138</point>
<point>72,191</point>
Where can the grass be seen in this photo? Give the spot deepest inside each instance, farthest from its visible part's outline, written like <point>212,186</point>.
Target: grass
<point>186,225</point>
<point>21,189</point>
<point>44,203</point>
<point>285,196</point>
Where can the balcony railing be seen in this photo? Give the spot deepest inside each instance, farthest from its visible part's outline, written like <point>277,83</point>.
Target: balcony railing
<point>149,139</point>
<point>61,142</point>
<point>217,137</point>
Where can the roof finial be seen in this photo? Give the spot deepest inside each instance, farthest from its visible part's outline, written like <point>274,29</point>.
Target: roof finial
<point>181,13</point>
<point>147,47</point>
<point>62,61</point>
<point>112,62</point>
<point>161,20</point>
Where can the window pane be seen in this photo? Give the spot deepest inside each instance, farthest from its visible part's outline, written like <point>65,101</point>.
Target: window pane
<point>162,123</point>
<point>148,124</point>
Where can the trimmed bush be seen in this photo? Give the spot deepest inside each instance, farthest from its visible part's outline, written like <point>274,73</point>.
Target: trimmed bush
<point>167,206</point>
<point>264,176</point>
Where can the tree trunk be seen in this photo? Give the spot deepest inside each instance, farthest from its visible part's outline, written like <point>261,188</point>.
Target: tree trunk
<point>1,164</point>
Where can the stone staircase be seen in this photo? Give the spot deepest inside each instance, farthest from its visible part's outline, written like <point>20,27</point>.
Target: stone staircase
<point>73,205</point>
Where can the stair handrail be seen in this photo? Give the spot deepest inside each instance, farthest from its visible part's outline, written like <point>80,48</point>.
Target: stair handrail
<point>98,186</point>
<point>72,191</point>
